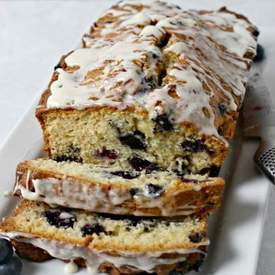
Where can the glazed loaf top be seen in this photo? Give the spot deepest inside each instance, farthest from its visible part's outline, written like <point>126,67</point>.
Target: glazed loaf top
<point>158,59</point>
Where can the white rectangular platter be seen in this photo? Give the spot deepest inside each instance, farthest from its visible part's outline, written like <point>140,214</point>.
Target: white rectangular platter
<point>236,228</point>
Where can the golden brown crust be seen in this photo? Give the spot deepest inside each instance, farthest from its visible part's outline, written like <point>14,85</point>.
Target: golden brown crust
<point>36,254</point>
<point>30,252</point>
<point>206,199</point>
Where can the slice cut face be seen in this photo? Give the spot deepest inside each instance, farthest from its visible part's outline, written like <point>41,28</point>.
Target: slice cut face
<point>106,242</point>
<point>112,190</point>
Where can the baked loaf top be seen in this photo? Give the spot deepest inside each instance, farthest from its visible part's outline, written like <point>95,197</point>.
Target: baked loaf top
<point>156,58</point>
<point>72,234</point>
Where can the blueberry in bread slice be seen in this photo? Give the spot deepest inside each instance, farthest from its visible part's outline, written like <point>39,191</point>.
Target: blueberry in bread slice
<point>152,87</point>
<point>111,190</point>
<point>106,243</point>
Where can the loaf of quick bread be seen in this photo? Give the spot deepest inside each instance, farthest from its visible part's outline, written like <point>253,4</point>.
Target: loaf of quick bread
<point>110,190</point>
<point>105,243</point>
<point>151,88</point>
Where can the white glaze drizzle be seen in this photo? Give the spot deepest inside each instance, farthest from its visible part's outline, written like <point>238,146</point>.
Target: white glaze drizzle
<point>70,268</point>
<point>143,261</point>
<point>93,198</point>
<point>121,82</point>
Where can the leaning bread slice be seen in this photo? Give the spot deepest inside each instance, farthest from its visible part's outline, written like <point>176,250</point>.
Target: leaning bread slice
<point>106,243</point>
<point>110,190</point>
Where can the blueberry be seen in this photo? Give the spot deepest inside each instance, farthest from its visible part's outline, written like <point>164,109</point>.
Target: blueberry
<point>57,66</point>
<point>210,205</point>
<point>220,131</point>
<point>221,108</point>
<point>256,32</point>
<point>153,190</point>
<point>260,53</point>
<point>164,41</point>
<point>134,221</point>
<point>204,171</point>
<point>193,146</point>
<point>6,251</point>
<point>182,265</point>
<point>106,154</point>
<point>134,140</point>
<point>72,154</point>
<point>60,158</point>
<point>197,265</point>
<point>12,267</point>
<point>142,164</point>
<point>89,229</point>
<point>150,82</point>
<point>134,191</point>
<point>195,237</point>
<point>125,174</point>
<point>60,218</point>
<point>162,124</point>
<point>154,55</point>
<point>212,171</point>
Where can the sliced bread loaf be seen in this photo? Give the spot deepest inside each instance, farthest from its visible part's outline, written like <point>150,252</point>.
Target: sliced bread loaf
<point>105,242</point>
<point>154,81</point>
<point>110,190</point>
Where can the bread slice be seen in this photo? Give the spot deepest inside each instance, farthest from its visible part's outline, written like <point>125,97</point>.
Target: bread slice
<point>151,82</point>
<point>106,242</point>
<point>110,190</point>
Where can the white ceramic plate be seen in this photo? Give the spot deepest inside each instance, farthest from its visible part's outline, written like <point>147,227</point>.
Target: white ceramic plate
<point>235,230</point>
